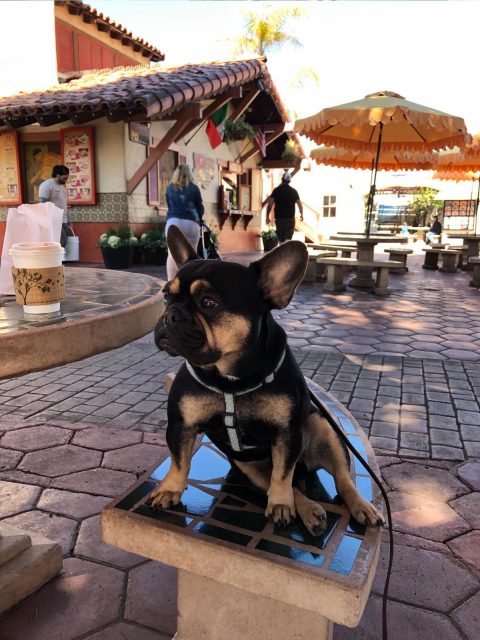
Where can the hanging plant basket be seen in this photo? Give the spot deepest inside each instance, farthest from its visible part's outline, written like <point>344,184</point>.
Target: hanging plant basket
<point>237,130</point>
<point>290,153</point>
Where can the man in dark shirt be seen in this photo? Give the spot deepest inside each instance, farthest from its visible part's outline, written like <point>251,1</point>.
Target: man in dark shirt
<point>284,197</point>
<point>435,229</point>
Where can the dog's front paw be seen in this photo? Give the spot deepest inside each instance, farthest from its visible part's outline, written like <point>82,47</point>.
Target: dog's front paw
<point>280,513</point>
<point>162,498</point>
<point>313,516</point>
<point>365,513</point>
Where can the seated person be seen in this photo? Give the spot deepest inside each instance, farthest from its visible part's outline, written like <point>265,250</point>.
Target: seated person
<point>435,229</point>
<point>404,230</point>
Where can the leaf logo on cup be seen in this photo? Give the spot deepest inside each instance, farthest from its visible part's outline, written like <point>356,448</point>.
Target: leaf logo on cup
<point>39,286</point>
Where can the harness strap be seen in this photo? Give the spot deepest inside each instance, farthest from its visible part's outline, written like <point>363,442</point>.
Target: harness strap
<point>230,419</point>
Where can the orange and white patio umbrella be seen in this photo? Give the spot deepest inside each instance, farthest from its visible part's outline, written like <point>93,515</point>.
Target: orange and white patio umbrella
<point>363,159</point>
<point>384,121</point>
<point>462,165</point>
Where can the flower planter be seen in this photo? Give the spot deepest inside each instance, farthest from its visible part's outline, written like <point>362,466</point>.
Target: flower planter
<point>121,258</point>
<point>156,257</point>
<point>269,243</point>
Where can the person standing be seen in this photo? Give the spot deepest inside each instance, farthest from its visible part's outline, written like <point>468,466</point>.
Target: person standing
<point>284,197</point>
<point>185,210</point>
<point>435,229</point>
<point>54,190</point>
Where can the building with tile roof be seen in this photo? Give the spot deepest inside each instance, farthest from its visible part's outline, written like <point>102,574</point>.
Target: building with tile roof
<point>121,131</point>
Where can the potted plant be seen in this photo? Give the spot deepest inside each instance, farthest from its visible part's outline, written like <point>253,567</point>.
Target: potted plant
<point>154,245</point>
<point>117,247</point>
<point>290,153</point>
<point>237,130</point>
<point>269,238</point>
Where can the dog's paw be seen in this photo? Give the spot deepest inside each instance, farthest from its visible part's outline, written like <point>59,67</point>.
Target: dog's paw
<point>162,499</point>
<point>365,513</point>
<point>281,514</point>
<point>313,516</point>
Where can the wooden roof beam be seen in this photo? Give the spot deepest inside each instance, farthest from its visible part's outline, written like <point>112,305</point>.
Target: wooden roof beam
<point>184,118</point>
<point>81,117</point>
<point>17,123</point>
<point>245,103</point>
<point>218,103</point>
<point>48,120</point>
<point>279,164</point>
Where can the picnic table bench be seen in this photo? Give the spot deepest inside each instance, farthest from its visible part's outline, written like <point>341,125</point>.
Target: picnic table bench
<point>311,273</point>
<point>450,258</point>
<point>240,576</point>
<point>398,254</point>
<point>336,271</point>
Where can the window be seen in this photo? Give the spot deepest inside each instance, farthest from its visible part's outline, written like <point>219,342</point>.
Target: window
<point>329,206</point>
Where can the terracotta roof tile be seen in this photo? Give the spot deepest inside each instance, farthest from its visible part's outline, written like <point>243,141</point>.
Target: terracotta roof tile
<point>104,23</point>
<point>145,90</point>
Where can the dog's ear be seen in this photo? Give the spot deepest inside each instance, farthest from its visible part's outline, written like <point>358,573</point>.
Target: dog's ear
<point>180,248</point>
<point>280,272</point>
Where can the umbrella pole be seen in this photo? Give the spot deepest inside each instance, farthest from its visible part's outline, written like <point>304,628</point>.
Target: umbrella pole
<point>475,213</point>
<point>371,195</point>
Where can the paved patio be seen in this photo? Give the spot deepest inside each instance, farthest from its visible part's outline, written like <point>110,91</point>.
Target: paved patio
<point>408,367</point>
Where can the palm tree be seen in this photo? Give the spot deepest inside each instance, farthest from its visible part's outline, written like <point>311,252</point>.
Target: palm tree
<point>267,30</point>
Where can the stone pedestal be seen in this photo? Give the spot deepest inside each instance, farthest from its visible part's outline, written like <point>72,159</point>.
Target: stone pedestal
<point>475,265</point>
<point>365,252</point>
<point>431,260</point>
<point>208,610</point>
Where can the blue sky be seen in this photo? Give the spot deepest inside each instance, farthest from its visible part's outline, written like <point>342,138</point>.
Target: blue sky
<point>426,51</point>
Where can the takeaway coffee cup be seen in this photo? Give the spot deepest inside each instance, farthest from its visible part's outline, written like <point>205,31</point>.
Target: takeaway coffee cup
<point>38,276</point>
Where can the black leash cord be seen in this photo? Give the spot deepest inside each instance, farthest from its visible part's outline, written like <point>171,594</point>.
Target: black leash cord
<point>350,446</point>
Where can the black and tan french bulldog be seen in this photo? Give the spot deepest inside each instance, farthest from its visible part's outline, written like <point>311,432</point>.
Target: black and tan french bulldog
<point>241,385</point>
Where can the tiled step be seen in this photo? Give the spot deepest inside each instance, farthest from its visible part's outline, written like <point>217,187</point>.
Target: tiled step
<point>28,570</point>
<point>12,543</point>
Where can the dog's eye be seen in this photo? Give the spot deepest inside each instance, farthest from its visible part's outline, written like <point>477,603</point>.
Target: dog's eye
<point>166,296</point>
<point>208,303</point>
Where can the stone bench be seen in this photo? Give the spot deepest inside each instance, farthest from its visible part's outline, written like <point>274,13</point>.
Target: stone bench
<point>240,576</point>
<point>398,254</point>
<point>311,273</point>
<point>336,271</point>
<point>475,262</point>
<point>449,257</point>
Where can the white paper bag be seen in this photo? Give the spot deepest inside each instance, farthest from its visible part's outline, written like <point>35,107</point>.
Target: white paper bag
<point>29,223</point>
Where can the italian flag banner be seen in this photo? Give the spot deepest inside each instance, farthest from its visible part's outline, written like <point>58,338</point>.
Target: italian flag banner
<point>215,126</point>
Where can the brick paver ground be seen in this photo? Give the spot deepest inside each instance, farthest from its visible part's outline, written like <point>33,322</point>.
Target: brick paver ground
<point>408,367</point>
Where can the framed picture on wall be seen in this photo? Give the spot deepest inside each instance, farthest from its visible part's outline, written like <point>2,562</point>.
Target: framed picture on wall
<point>78,155</point>
<point>245,197</point>
<point>10,179</point>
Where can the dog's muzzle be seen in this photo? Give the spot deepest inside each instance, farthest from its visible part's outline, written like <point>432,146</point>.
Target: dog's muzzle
<point>178,333</point>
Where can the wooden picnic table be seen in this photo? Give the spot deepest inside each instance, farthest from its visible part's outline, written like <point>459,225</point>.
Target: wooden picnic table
<point>365,253</point>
